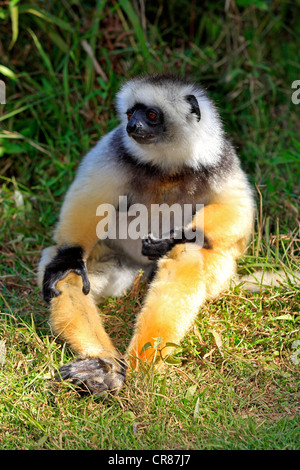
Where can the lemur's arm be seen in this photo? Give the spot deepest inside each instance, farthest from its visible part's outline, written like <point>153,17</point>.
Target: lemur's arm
<point>76,234</point>
<point>220,225</point>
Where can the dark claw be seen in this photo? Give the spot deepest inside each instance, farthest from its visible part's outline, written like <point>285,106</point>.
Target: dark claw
<point>86,283</point>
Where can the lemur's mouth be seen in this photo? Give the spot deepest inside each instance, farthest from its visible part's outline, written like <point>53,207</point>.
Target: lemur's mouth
<point>142,138</point>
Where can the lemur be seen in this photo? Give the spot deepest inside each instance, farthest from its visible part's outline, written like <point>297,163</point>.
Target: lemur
<point>169,148</point>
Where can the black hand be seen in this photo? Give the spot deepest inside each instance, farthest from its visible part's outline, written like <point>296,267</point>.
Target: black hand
<point>68,259</point>
<point>155,248</point>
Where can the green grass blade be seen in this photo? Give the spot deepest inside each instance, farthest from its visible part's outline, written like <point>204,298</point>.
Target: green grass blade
<point>45,16</point>
<point>129,11</point>
<point>45,57</point>
<point>14,14</point>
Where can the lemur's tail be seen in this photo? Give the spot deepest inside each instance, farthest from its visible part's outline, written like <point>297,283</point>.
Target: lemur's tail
<point>260,280</point>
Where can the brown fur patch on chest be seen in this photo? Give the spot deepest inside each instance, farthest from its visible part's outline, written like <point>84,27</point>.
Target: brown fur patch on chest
<point>157,188</point>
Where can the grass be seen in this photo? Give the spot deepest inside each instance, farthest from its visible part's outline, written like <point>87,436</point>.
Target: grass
<point>234,383</point>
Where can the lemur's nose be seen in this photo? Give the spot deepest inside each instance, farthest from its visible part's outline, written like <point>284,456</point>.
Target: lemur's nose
<point>134,125</point>
<point>131,126</point>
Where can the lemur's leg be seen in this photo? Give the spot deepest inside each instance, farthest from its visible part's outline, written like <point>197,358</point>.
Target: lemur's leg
<point>184,281</point>
<point>189,275</point>
<point>75,318</point>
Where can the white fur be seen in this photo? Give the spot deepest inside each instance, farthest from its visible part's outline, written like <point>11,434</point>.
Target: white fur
<point>110,272</point>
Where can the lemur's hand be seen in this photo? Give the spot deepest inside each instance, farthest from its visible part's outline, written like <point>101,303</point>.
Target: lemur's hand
<point>68,259</point>
<point>155,248</point>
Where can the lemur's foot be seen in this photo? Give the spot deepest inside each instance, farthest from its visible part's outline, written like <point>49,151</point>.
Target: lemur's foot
<point>94,375</point>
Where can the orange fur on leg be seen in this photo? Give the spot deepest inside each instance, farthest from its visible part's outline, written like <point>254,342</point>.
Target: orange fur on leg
<point>180,288</point>
<point>75,318</point>
<point>187,277</point>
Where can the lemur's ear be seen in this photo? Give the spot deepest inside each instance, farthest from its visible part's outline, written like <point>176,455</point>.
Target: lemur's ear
<point>194,106</point>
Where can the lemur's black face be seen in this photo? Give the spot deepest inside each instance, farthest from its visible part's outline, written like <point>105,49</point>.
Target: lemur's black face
<point>145,124</point>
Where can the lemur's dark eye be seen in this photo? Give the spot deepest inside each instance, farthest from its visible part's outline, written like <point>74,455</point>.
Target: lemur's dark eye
<point>129,115</point>
<point>151,114</point>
